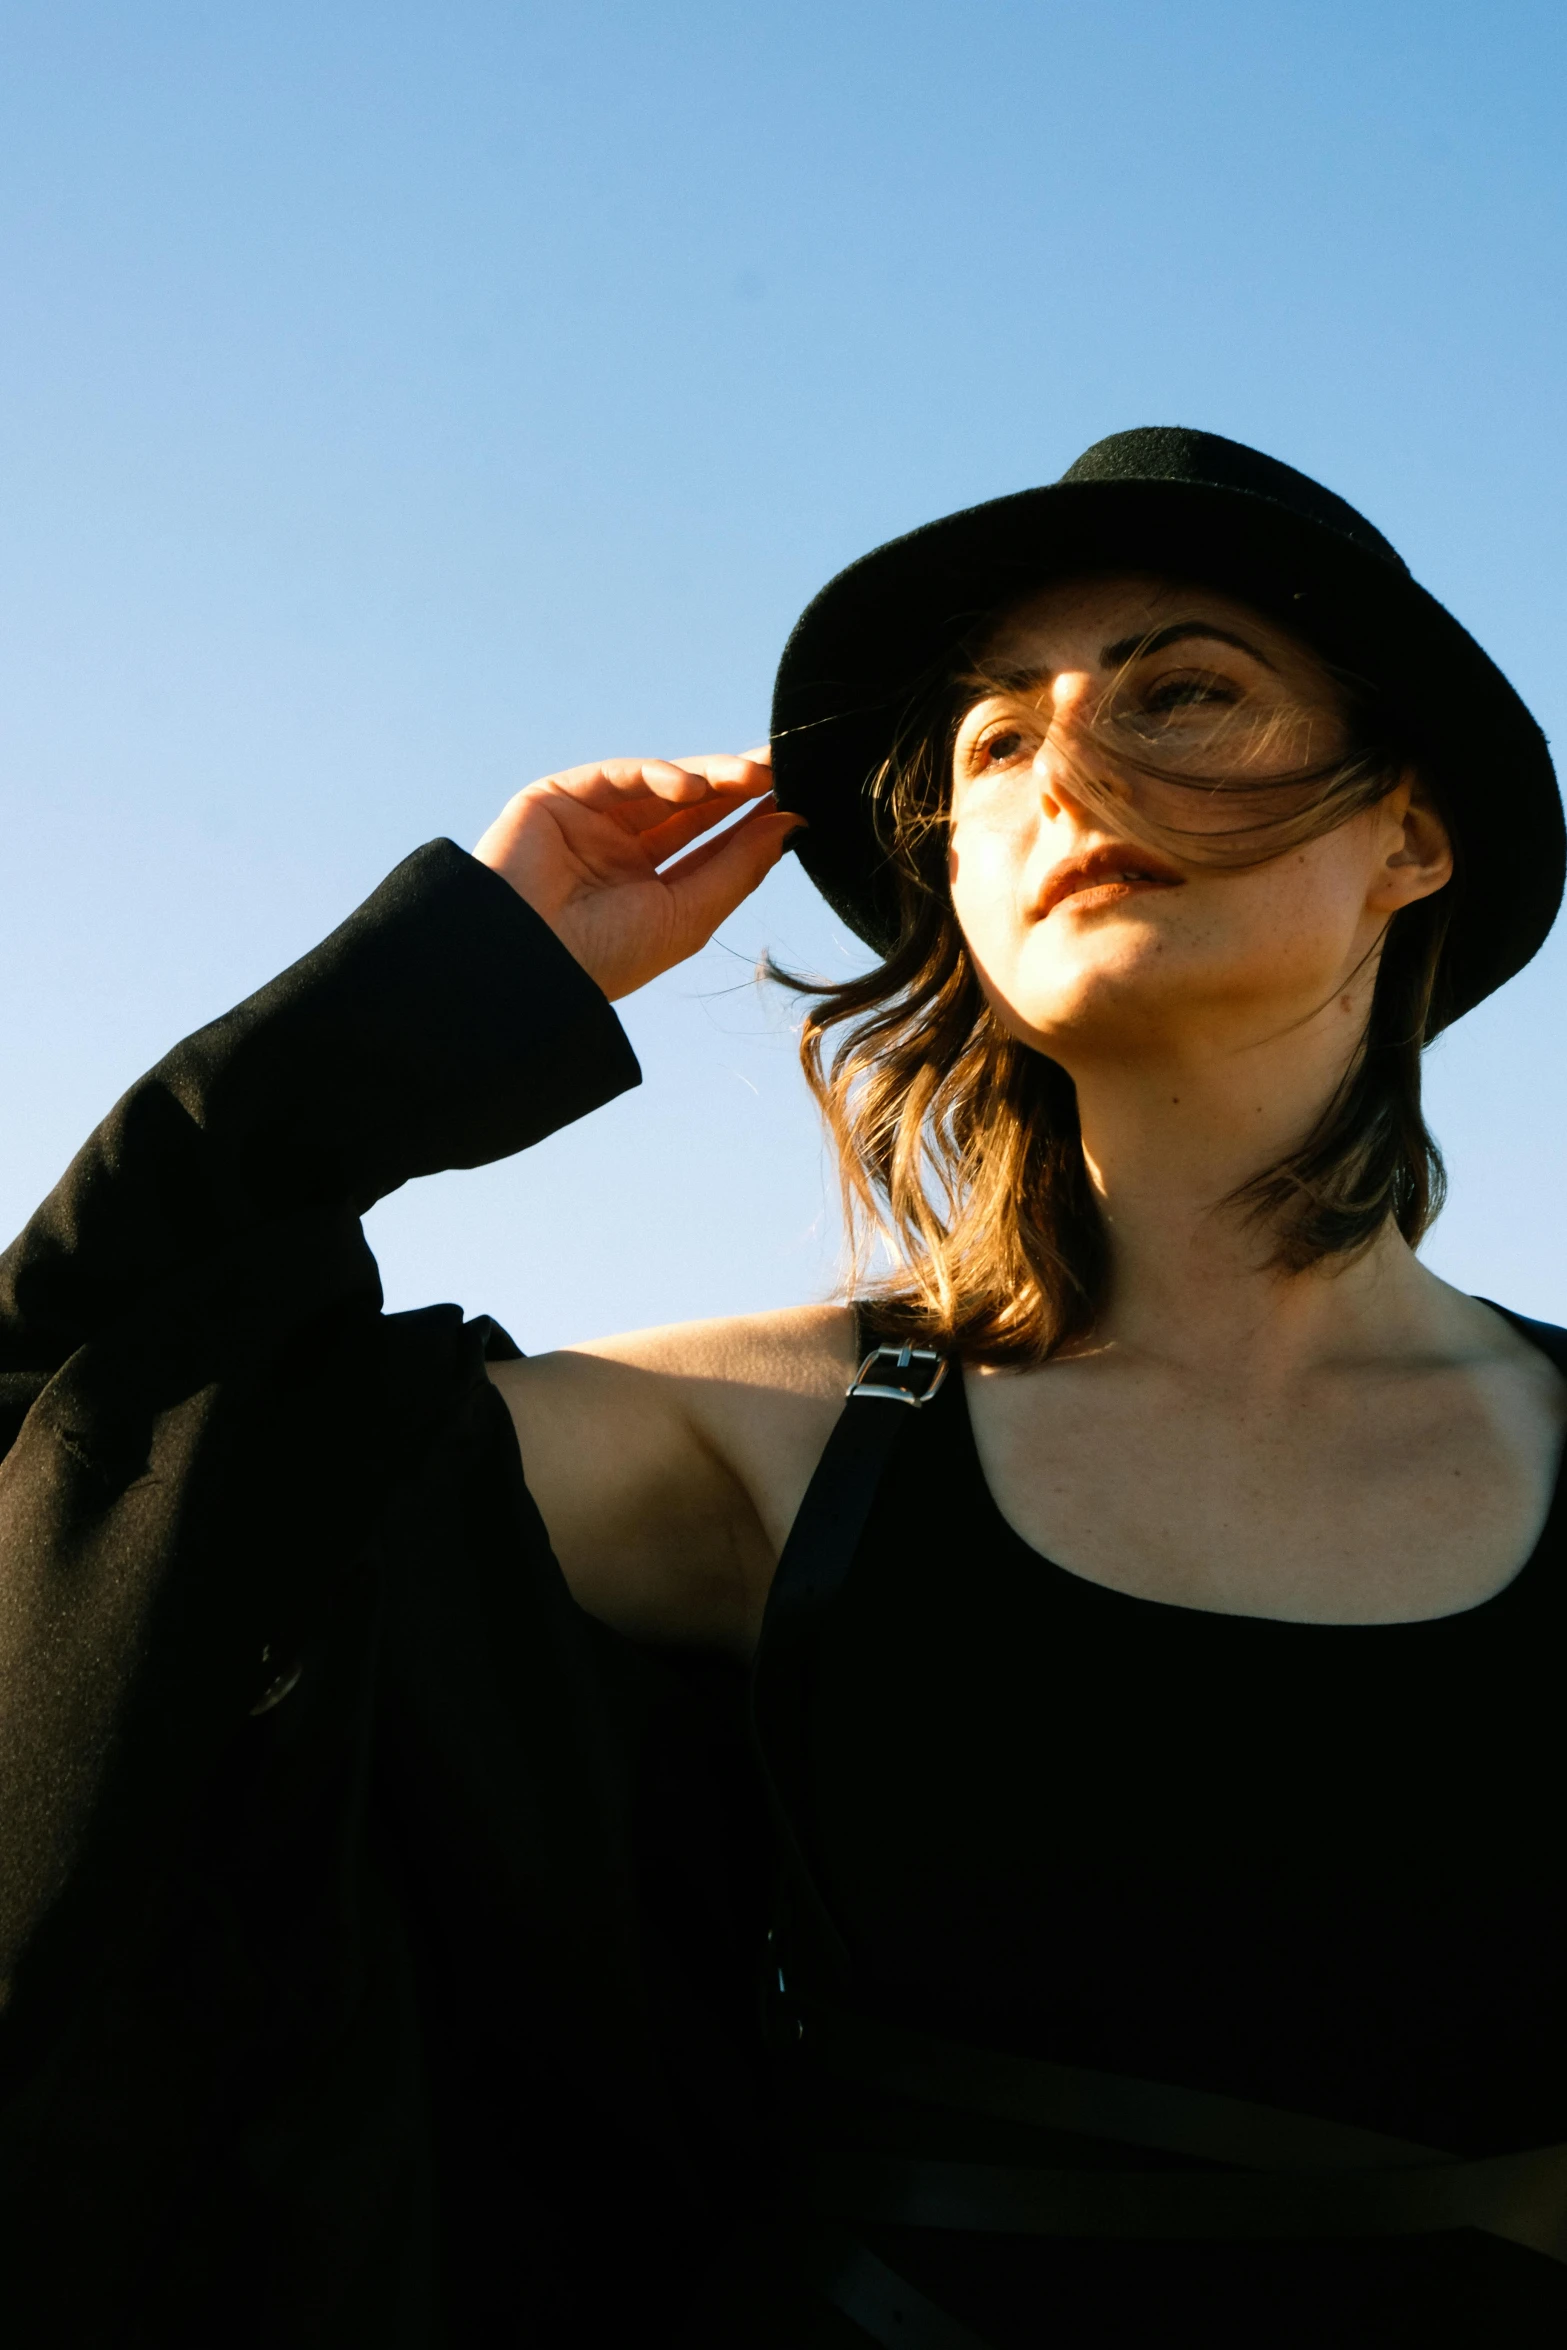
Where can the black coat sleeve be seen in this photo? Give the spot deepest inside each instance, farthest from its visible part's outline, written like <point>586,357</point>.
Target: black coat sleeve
<point>443,1025</point>
<point>199,1270</point>
<point>226,1473</point>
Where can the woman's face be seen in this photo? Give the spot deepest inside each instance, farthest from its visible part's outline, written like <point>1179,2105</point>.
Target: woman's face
<point>1088,944</point>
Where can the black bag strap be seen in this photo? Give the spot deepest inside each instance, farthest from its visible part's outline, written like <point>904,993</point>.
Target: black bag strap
<point>891,1382</point>
<point>1287,2174</point>
<point>1201,2124</point>
<point>827,1528</point>
<point>1520,2197</point>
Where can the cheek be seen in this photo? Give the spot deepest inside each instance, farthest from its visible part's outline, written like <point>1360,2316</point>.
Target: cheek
<point>986,866</point>
<point>1309,895</point>
<point>1292,924</point>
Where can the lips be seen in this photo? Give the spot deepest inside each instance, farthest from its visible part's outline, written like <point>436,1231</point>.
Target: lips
<point>1113,866</point>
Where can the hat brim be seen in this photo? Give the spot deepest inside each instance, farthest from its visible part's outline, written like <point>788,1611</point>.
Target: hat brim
<point>881,629</point>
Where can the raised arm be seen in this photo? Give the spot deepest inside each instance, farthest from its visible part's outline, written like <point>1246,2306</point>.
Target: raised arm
<point>255,1534</point>
<point>667,1464</point>
<point>204,1413</point>
<point>442,1025</point>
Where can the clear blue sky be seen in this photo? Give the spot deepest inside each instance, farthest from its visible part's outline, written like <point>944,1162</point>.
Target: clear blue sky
<point>398,400</point>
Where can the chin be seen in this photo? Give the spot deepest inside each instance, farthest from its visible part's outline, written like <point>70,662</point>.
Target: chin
<point>1126,1008</point>
<point>1127,980</point>
<point>1096,1020</point>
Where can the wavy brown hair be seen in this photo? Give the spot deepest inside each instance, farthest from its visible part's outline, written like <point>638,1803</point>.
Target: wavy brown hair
<point>958,1147</point>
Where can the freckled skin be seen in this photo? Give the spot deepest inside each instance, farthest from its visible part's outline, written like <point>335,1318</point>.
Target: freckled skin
<point>1361,1443</point>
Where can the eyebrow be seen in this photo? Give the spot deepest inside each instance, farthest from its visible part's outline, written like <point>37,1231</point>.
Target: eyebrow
<point>1019,676</point>
<point>1131,648</point>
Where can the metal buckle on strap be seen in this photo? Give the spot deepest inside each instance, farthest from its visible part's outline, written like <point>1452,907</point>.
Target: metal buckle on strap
<point>902,1358</point>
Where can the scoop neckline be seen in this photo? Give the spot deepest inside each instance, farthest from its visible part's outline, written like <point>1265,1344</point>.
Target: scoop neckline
<point>1548,1537</point>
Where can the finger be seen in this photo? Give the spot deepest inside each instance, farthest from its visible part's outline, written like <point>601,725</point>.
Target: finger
<point>704,855</point>
<point>649,816</point>
<point>639,794</point>
<point>728,766</point>
<point>677,832</point>
<point>636,837</point>
<point>708,885</point>
<point>653,820</point>
<point>616,785</point>
<point>606,781</point>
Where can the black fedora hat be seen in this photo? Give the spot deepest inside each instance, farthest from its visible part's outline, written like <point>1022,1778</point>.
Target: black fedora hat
<point>1205,509</point>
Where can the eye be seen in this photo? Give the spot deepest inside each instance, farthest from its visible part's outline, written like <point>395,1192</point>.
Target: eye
<point>1000,747</point>
<point>1191,690</point>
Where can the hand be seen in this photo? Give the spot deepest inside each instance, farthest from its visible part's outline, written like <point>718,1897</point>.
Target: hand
<point>585,847</point>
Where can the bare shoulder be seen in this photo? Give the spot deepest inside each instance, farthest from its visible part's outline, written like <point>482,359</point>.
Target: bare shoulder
<point>759,1392</point>
<point>1483,1346</point>
<point>802,1350</point>
<point>1518,1386</point>
<point>669,1463</point>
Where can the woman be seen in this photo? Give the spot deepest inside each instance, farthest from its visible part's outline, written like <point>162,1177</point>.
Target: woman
<point>1158,1716</point>
<point>1215,1378</point>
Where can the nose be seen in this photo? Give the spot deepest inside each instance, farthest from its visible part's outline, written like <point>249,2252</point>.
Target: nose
<point>1067,743</point>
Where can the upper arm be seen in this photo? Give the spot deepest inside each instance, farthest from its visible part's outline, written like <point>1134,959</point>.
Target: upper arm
<point>668,1465</point>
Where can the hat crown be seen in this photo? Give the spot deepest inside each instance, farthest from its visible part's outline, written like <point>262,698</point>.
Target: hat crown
<point>1175,453</point>
<point>1186,505</point>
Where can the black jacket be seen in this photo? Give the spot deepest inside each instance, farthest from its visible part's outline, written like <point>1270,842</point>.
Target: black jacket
<point>379,1933</point>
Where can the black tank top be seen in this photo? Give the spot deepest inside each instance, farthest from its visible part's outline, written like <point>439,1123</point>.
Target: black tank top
<point>1323,1867</point>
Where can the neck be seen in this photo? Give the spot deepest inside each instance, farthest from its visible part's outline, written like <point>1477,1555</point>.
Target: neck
<point>1167,1144</point>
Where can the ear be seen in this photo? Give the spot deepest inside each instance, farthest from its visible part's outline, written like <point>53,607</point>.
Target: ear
<point>1415,856</point>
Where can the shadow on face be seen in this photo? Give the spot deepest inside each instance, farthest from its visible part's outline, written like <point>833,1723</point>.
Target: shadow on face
<point>1164,832</point>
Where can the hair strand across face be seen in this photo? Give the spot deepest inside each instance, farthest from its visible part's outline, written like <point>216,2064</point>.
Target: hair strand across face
<point>958,1147</point>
